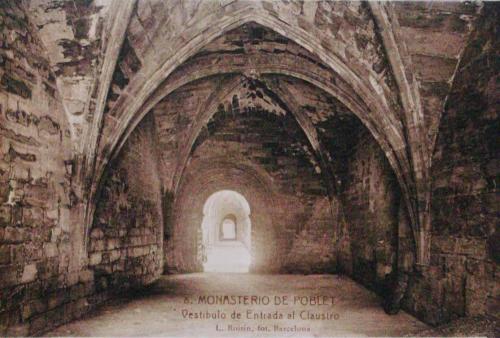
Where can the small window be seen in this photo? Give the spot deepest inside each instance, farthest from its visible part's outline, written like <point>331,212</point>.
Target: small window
<point>228,230</point>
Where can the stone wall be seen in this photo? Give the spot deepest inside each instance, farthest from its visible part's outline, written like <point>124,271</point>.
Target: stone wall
<point>463,276</point>
<point>126,239</point>
<point>368,237</point>
<point>44,280</point>
<point>40,282</point>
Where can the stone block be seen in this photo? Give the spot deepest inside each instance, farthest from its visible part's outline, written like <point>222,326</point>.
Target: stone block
<point>81,306</point>
<point>95,258</point>
<point>48,268</point>
<point>17,214</point>
<point>72,278</point>
<point>454,264</point>
<point>58,298</point>
<point>114,255</point>
<point>101,283</point>
<point>85,276</point>
<point>19,330</point>
<point>444,244</point>
<point>475,266</point>
<point>33,290</point>
<point>50,250</point>
<point>56,233</point>
<point>13,235</point>
<point>34,307</point>
<point>112,243</point>
<point>89,288</point>
<point>5,255</point>
<point>5,215</point>
<point>37,195</point>
<point>32,216</point>
<point>29,273</point>
<point>476,248</point>
<point>136,251</point>
<point>105,258</point>
<point>38,324</point>
<point>96,233</point>
<point>9,276</point>
<point>134,232</point>
<point>77,291</point>
<point>119,265</point>
<point>133,241</point>
<point>105,269</point>
<point>97,245</point>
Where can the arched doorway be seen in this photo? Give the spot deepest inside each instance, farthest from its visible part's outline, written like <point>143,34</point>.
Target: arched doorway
<point>226,229</point>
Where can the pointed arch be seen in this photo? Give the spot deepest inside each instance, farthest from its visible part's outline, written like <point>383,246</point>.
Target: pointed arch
<point>374,110</point>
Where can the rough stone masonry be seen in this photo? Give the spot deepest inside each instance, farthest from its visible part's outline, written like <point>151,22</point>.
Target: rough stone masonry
<point>364,136</point>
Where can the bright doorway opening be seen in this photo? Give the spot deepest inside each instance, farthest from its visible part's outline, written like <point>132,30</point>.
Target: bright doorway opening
<point>226,228</point>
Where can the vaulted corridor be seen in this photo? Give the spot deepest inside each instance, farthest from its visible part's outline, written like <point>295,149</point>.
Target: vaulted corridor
<point>153,152</point>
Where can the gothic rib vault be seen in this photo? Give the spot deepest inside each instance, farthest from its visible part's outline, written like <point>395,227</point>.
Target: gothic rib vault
<point>277,99</point>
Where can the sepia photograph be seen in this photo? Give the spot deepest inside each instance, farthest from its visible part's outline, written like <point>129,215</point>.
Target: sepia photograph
<point>249,168</point>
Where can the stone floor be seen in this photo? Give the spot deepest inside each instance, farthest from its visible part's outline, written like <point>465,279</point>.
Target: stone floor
<point>163,308</point>
<point>230,256</point>
<point>480,326</point>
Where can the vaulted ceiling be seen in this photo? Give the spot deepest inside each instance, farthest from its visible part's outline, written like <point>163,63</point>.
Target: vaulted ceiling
<point>332,68</point>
